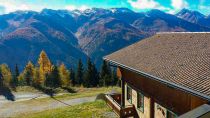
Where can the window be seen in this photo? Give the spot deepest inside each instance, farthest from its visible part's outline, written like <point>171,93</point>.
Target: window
<point>129,94</point>
<point>140,102</point>
<point>163,112</point>
<point>170,114</point>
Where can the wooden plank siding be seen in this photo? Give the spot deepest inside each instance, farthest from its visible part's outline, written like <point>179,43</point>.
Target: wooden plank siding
<point>171,98</point>
<point>146,112</point>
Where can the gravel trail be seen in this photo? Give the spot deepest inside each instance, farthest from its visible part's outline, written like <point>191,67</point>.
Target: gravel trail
<point>12,108</point>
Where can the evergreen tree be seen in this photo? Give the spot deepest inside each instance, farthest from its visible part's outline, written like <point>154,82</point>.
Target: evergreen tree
<point>72,77</point>
<point>48,82</point>
<point>28,73</point>
<point>64,75</point>
<point>88,74</point>
<point>95,76</point>
<point>105,75</point>
<point>45,66</point>
<point>15,76</point>
<point>79,73</point>
<point>17,73</point>
<point>55,78</point>
<point>114,78</point>
<point>91,77</point>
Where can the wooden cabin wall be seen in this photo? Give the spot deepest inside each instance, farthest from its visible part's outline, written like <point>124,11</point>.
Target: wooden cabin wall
<point>173,99</point>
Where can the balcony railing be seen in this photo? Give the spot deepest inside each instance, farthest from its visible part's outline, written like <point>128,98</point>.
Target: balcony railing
<point>114,101</point>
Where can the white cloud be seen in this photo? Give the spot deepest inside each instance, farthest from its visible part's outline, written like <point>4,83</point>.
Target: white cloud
<point>179,4</point>
<point>83,7</point>
<point>70,7</point>
<point>146,4</point>
<point>176,5</point>
<point>11,5</point>
<point>7,6</point>
<point>73,7</point>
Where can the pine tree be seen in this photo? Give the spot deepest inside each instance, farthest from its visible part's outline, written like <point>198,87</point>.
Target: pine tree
<point>95,76</point>
<point>15,76</point>
<point>79,73</point>
<point>105,75</point>
<point>91,77</point>
<point>88,74</point>
<point>72,77</point>
<point>114,78</point>
<point>48,82</point>
<point>64,75</point>
<point>17,73</point>
<point>45,66</point>
<point>55,78</point>
<point>28,73</point>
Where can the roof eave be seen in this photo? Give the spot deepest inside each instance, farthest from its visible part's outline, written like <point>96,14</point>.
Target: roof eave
<point>158,79</point>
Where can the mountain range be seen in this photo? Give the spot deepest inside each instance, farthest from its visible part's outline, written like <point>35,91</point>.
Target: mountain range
<point>67,36</point>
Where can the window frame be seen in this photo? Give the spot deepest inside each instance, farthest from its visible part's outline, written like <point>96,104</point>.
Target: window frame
<point>140,107</point>
<point>129,89</point>
<point>168,111</point>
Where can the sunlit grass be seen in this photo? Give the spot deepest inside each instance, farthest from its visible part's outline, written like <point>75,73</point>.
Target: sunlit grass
<point>96,109</point>
<point>80,93</point>
<point>87,92</point>
<point>25,89</point>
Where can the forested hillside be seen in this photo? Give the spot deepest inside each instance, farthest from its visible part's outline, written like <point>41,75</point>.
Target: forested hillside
<point>68,36</point>
<point>46,76</point>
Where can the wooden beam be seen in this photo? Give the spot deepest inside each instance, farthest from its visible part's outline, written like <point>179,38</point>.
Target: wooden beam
<point>152,107</point>
<point>123,92</point>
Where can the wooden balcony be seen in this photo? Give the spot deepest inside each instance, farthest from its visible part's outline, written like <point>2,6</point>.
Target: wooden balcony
<point>114,101</point>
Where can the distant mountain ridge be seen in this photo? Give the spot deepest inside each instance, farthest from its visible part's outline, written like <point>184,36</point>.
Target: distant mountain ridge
<point>194,17</point>
<point>67,36</point>
<point>191,16</point>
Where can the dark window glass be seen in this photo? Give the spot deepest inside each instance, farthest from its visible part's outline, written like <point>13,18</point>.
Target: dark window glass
<point>129,94</point>
<point>140,102</point>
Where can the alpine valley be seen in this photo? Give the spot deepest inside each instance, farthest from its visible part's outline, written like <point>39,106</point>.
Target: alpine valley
<point>67,36</point>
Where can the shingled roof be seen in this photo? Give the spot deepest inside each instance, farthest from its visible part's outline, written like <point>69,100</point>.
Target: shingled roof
<point>180,59</point>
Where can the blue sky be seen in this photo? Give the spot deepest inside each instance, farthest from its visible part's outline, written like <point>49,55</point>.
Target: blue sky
<point>170,6</point>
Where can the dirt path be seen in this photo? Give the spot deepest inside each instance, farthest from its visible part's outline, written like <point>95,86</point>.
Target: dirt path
<point>21,96</point>
<point>9,109</point>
